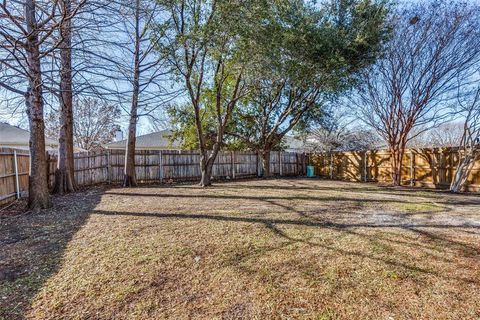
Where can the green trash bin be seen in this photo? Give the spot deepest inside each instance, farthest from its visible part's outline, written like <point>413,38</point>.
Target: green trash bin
<point>310,171</point>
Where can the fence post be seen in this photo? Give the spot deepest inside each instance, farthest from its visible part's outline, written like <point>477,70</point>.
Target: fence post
<point>296,164</point>
<point>109,168</point>
<point>160,166</point>
<point>232,156</point>
<point>280,164</point>
<point>145,166</point>
<point>365,166</point>
<point>412,172</point>
<point>331,165</point>
<point>17,184</point>
<point>304,163</point>
<point>48,168</point>
<point>258,167</point>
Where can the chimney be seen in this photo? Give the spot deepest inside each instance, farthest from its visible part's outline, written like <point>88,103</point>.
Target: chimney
<point>118,135</point>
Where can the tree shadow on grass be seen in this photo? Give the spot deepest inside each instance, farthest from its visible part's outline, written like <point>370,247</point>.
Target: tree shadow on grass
<point>32,246</point>
<point>414,226</point>
<point>326,198</point>
<point>372,188</point>
<point>273,225</point>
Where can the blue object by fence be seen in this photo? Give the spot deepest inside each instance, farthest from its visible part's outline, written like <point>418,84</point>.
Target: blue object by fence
<point>310,171</point>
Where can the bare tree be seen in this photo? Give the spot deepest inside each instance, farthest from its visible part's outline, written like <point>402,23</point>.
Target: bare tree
<point>95,123</point>
<point>338,131</point>
<point>469,148</point>
<point>415,82</point>
<point>448,134</point>
<point>25,27</point>
<point>147,73</point>
<point>64,174</point>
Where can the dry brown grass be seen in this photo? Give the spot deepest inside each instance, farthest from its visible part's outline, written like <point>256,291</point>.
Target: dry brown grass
<point>276,249</point>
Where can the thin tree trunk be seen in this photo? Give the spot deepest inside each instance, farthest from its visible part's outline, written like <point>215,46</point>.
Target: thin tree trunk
<point>38,195</point>
<point>206,167</point>
<point>265,163</point>
<point>396,165</point>
<point>64,174</point>
<point>129,179</point>
<point>461,175</point>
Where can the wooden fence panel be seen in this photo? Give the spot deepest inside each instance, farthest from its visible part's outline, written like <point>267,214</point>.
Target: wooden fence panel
<point>181,165</point>
<point>291,164</point>
<point>274,163</point>
<point>117,163</point>
<point>222,167</point>
<point>10,187</point>
<point>246,164</point>
<point>7,175</point>
<point>432,168</point>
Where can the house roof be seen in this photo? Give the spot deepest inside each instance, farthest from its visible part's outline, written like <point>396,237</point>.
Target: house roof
<point>153,141</point>
<point>11,136</point>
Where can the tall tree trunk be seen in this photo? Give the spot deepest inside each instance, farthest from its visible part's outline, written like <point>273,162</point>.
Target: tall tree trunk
<point>64,174</point>
<point>206,167</point>
<point>38,195</point>
<point>396,154</point>
<point>129,179</point>
<point>266,163</point>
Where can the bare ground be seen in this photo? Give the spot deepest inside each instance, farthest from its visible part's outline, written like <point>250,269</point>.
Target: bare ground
<point>261,249</point>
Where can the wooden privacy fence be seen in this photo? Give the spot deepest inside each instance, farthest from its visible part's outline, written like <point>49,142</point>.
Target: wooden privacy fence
<point>14,170</point>
<point>151,166</point>
<point>433,168</point>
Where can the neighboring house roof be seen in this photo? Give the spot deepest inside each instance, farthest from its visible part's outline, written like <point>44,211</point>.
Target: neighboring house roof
<point>17,138</point>
<point>153,141</point>
<point>14,137</point>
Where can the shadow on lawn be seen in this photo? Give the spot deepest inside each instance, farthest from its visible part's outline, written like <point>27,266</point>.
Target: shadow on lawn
<point>294,184</point>
<point>415,227</point>
<point>273,225</point>
<point>372,188</point>
<point>33,245</point>
<point>326,198</point>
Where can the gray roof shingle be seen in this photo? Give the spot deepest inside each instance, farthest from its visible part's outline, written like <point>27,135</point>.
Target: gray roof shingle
<point>14,136</point>
<point>153,141</point>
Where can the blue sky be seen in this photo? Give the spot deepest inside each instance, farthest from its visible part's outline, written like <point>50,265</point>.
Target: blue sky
<point>7,113</point>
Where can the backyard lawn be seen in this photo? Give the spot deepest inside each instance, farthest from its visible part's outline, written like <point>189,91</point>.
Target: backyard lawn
<point>258,249</point>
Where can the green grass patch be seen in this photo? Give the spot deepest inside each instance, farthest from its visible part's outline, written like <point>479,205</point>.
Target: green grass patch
<point>416,207</point>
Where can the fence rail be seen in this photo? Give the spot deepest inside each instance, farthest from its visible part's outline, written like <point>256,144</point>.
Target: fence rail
<point>433,168</point>
<point>151,167</point>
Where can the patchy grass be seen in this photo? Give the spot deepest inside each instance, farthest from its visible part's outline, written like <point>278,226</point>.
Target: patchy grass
<point>275,249</point>
<point>412,207</point>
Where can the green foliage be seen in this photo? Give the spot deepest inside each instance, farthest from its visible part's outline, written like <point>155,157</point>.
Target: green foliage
<point>291,54</point>
<point>313,55</point>
<point>183,119</point>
